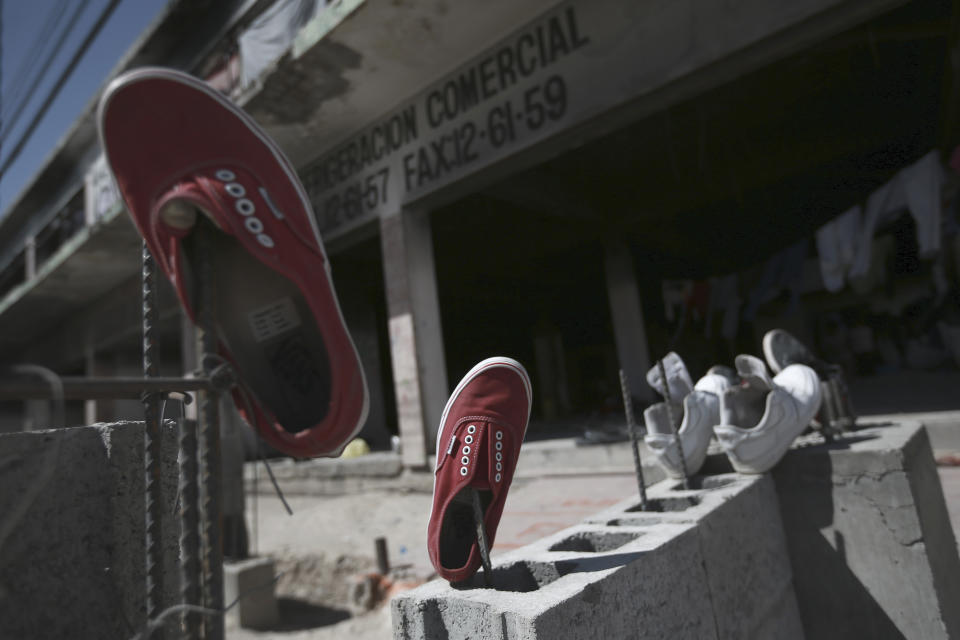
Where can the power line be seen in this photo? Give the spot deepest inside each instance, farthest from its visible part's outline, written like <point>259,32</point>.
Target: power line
<point>38,77</point>
<point>40,43</point>
<point>74,61</point>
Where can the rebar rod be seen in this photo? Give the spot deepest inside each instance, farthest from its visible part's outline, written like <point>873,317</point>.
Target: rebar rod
<point>482,541</point>
<point>152,450</point>
<point>189,525</point>
<point>634,441</point>
<point>673,424</point>
<point>210,512</point>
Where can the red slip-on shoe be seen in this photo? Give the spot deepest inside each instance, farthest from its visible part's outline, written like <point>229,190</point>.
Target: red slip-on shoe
<point>185,157</point>
<point>478,445</point>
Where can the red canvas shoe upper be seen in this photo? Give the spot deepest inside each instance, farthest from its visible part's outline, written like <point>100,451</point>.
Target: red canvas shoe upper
<point>478,444</point>
<point>179,150</point>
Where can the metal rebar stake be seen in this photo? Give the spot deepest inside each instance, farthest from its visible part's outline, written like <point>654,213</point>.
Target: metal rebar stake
<point>210,514</point>
<point>482,539</point>
<point>189,525</point>
<point>673,425</point>
<point>634,441</point>
<point>152,450</point>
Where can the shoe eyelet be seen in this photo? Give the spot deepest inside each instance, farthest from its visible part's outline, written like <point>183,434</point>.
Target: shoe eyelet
<point>499,435</point>
<point>499,467</point>
<point>466,450</point>
<point>499,456</point>
<point>464,460</point>
<point>253,225</point>
<point>265,240</point>
<point>236,189</point>
<point>499,446</point>
<point>225,175</point>
<point>244,207</point>
<point>471,429</point>
<point>497,478</point>
<point>468,439</point>
<point>463,471</point>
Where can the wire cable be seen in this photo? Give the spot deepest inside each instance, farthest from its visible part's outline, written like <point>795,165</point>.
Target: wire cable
<point>156,623</point>
<point>38,77</point>
<point>40,43</point>
<point>58,85</point>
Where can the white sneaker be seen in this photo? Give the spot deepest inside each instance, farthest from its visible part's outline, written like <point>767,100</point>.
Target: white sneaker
<point>678,378</point>
<point>760,419</point>
<point>782,349</point>
<point>696,410</point>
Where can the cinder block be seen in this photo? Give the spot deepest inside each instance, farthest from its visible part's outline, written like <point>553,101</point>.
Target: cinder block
<point>743,546</point>
<point>252,581</point>
<point>869,538</point>
<point>748,568</point>
<point>630,574</point>
<point>573,594</point>
<point>72,559</point>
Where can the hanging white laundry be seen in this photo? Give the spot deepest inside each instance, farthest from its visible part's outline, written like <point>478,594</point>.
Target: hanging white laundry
<point>922,182</point>
<point>837,247</point>
<point>271,34</point>
<point>917,188</point>
<point>881,205</point>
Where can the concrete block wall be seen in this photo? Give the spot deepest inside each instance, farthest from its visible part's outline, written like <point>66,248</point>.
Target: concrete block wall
<point>849,539</point>
<point>72,531</point>
<point>707,563</point>
<point>869,537</point>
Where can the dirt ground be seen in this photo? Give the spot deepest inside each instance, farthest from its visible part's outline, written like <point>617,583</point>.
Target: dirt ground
<point>325,551</point>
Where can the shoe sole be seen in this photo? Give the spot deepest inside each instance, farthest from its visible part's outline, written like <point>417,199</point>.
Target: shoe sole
<point>156,73</point>
<point>480,367</point>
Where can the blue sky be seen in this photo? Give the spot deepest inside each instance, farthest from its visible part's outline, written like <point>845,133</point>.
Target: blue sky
<point>23,26</point>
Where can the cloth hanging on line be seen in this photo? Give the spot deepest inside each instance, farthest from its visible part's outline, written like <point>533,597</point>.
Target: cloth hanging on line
<point>837,247</point>
<point>917,188</point>
<point>272,33</point>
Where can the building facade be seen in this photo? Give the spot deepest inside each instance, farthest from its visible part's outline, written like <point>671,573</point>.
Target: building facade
<point>581,185</point>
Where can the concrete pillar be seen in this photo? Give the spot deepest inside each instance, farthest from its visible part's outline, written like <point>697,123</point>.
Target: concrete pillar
<point>416,335</point>
<point>358,306</point>
<point>626,312</point>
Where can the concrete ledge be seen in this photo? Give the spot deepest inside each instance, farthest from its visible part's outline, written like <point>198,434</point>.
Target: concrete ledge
<point>326,475</point>
<point>565,456</point>
<point>631,574</point>
<point>943,427</point>
<point>381,471</point>
<point>72,531</point>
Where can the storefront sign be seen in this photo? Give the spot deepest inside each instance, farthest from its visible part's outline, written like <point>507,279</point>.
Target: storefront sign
<point>575,63</point>
<point>507,98</point>
<point>100,191</point>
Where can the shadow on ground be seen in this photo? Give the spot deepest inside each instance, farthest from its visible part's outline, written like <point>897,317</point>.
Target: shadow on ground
<point>299,615</point>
